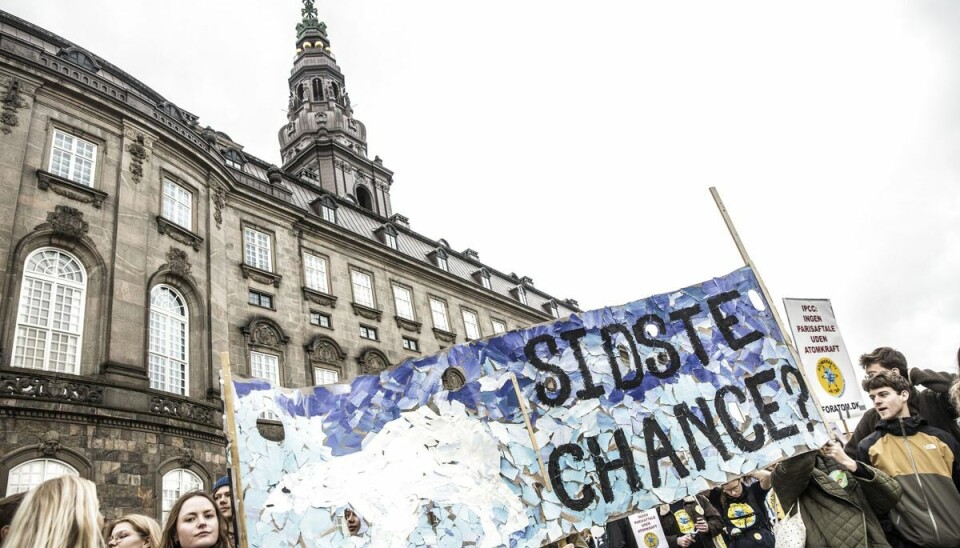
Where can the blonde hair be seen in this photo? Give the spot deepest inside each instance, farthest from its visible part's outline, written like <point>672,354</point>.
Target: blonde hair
<point>59,512</point>
<point>144,526</point>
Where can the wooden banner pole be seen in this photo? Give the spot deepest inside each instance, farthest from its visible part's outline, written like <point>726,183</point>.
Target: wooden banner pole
<point>533,440</point>
<point>785,333</point>
<point>230,428</point>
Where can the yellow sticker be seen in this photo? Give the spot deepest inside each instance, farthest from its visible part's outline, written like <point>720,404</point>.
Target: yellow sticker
<point>650,540</point>
<point>830,377</point>
<point>683,521</point>
<point>741,515</point>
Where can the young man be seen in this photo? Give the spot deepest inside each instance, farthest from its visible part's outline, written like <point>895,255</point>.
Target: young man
<point>933,404</point>
<point>222,496</point>
<point>923,459</point>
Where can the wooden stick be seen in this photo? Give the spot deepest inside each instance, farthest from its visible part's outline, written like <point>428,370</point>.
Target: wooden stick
<point>533,440</point>
<point>230,428</point>
<point>766,295</point>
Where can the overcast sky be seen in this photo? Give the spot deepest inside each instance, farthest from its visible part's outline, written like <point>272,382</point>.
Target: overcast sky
<point>576,144</point>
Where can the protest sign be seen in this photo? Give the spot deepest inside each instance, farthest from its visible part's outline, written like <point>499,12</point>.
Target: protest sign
<point>824,357</point>
<point>647,529</point>
<point>628,409</point>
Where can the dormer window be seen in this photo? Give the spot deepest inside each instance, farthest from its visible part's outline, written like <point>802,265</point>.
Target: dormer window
<point>552,308</point>
<point>439,258</point>
<point>520,293</point>
<point>388,236</point>
<point>326,208</point>
<point>482,277</point>
<point>234,158</point>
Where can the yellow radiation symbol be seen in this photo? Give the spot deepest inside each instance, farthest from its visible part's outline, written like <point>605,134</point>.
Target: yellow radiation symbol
<point>650,540</point>
<point>828,373</point>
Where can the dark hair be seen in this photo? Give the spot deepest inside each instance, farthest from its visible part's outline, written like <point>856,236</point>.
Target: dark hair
<point>8,507</point>
<point>169,537</point>
<point>886,379</point>
<point>887,357</point>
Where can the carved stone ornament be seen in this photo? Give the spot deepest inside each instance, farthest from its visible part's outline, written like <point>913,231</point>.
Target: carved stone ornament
<point>50,444</point>
<point>67,222</point>
<point>177,262</point>
<point>185,459</point>
<point>178,233</point>
<point>180,409</point>
<point>445,336</point>
<point>69,189</point>
<point>260,276</point>
<point>219,201</point>
<point>367,312</point>
<point>138,153</point>
<point>453,379</point>
<point>316,297</point>
<point>325,352</point>
<point>264,335</point>
<point>12,102</point>
<point>372,363</point>
<point>409,325</point>
<point>26,385</point>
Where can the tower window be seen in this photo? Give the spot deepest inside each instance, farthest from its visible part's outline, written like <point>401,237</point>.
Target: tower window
<point>317,89</point>
<point>364,199</point>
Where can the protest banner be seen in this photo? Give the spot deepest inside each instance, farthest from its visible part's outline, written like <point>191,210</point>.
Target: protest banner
<point>628,409</point>
<point>824,357</point>
<point>647,529</point>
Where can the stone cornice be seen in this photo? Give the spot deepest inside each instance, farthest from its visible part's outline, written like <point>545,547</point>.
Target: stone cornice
<point>69,189</point>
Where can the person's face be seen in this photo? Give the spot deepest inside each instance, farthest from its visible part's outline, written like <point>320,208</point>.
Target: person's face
<point>197,525</point>
<point>875,368</point>
<point>124,535</point>
<point>222,497</point>
<point>353,521</point>
<point>889,403</point>
<point>733,488</point>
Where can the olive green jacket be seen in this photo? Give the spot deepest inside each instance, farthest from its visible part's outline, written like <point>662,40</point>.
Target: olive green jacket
<point>836,516</point>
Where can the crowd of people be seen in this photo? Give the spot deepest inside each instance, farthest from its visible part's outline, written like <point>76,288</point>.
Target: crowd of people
<point>895,484</point>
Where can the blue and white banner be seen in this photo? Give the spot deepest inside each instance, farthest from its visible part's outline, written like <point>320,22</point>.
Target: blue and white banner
<point>630,406</point>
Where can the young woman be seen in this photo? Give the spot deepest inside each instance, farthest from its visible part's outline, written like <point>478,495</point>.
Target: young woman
<point>134,531</point>
<point>194,522</point>
<point>59,512</point>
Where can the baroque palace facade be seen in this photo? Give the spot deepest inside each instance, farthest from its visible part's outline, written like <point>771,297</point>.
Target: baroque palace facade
<point>136,245</point>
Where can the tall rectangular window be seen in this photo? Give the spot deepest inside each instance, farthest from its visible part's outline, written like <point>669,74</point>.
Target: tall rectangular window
<point>471,324</point>
<point>73,158</point>
<point>265,366</point>
<point>485,281</point>
<point>315,272</point>
<point>499,327</point>
<point>322,375</point>
<point>328,214</point>
<point>438,309</point>
<point>257,249</point>
<point>404,302</point>
<point>177,204</point>
<point>390,240</point>
<point>362,288</point>
<point>443,264</point>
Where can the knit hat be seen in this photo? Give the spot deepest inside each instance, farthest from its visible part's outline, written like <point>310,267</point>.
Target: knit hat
<point>222,482</point>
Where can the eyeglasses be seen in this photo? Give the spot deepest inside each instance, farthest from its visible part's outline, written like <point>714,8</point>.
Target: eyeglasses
<point>121,536</point>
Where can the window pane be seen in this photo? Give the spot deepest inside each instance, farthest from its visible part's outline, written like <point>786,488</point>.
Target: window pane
<point>439,311</point>
<point>176,483</point>
<point>315,272</point>
<point>168,350</point>
<point>256,249</point>
<point>362,288</point>
<point>322,375</point>
<point>73,158</point>
<point>499,327</point>
<point>404,301</point>
<point>471,325</point>
<point>177,204</point>
<point>265,366</point>
<point>328,213</point>
<point>30,474</point>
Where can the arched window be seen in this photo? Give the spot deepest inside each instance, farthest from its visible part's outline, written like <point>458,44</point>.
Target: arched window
<point>32,473</point>
<point>175,483</point>
<point>299,93</point>
<point>364,199</point>
<point>317,89</point>
<point>50,315</point>
<point>169,341</point>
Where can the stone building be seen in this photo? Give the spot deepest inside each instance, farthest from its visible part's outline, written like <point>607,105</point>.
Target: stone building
<point>136,245</point>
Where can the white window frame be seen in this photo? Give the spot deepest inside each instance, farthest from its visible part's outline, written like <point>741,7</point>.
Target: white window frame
<point>443,264</point>
<point>411,344</point>
<point>499,326</point>
<point>322,375</point>
<point>75,161</point>
<point>390,240</point>
<point>316,275</point>
<point>363,293</point>
<point>440,314</point>
<point>261,369</point>
<point>33,319</point>
<point>471,328</point>
<point>328,213</point>
<point>27,475</point>
<point>257,248</point>
<point>554,309</point>
<point>177,204</point>
<point>173,485</point>
<point>162,359</point>
<point>485,281</point>
<point>370,331</point>
<point>321,317</point>
<point>404,307</point>
<point>521,294</point>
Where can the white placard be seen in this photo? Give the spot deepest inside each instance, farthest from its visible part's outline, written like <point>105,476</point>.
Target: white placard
<point>823,357</point>
<point>647,529</point>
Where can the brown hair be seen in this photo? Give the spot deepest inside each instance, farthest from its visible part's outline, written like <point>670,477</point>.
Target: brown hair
<point>887,357</point>
<point>886,379</point>
<point>8,507</point>
<point>144,526</point>
<point>169,538</point>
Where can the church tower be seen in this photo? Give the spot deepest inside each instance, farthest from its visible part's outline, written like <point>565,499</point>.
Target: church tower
<point>322,141</point>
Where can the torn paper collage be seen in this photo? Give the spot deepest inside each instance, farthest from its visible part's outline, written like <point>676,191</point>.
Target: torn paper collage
<point>557,428</point>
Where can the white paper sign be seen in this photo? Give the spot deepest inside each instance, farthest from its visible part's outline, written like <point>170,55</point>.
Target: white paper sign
<point>647,529</point>
<point>823,357</point>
